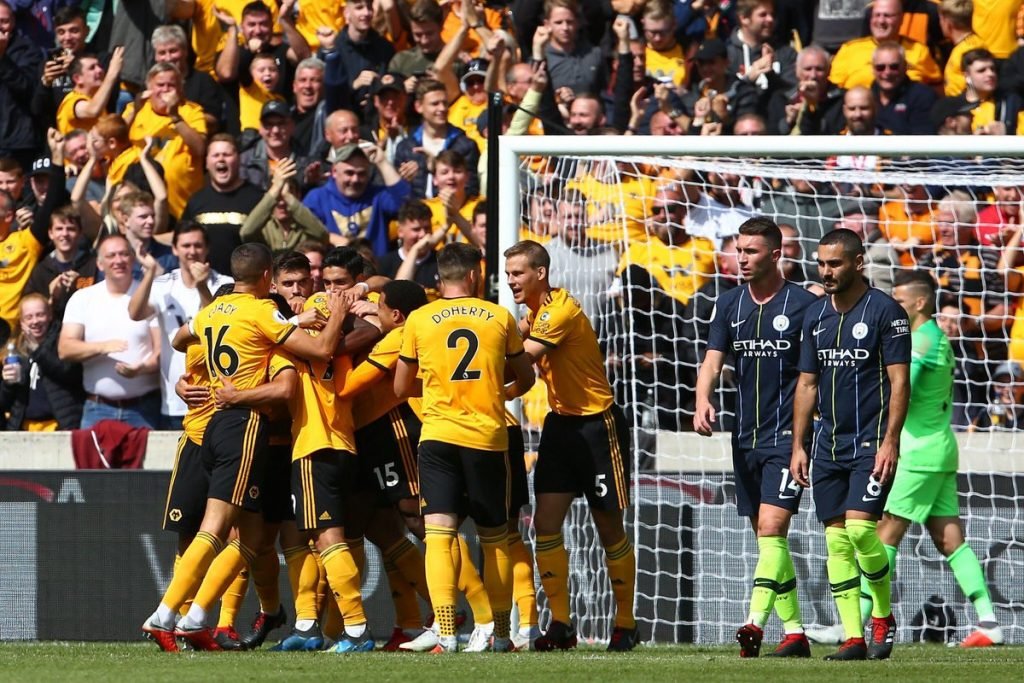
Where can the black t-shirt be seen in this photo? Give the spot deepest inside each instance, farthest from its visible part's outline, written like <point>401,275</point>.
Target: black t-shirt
<point>222,214</point>
<point>426,271</point>
<point>204,91</point>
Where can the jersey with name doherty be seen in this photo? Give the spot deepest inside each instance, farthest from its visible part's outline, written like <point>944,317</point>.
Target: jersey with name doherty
<point>573,369</point>
<point>850,352</point>
<point>764,340</point>
<point>460,346</point>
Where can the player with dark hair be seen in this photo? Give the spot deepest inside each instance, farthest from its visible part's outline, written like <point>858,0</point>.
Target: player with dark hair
<point>461,346</point>
<point>854,368</point>
<point>584,448</point>
<point>759,325</point>
<point>924,490</point>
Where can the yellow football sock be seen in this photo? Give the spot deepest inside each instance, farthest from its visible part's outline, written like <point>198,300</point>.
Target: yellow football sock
<point>265,571</point>
<point>232,599</point>
<point>409,560</point>
<point>407,607</point>
<point>191,569</point>
<point>355,546</point>
<point>497,576</point>
<point>222,572</point>
<point>524,591</point>
<point>441,575</point>
<point>343,578</point>
<point>303,575</point>
<point>183,610</point>
<point>321,584</point>
<point>472,586</point>
<point>553,565</point>
<point>622,574</point>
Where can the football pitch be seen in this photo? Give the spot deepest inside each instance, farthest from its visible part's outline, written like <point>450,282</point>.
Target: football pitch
<point>143,662</point>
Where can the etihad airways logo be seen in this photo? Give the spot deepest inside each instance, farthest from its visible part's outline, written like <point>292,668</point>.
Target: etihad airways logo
<point>842,358</point>
<point>761,348</point>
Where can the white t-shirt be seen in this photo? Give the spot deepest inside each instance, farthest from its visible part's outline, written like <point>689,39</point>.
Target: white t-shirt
<point>105,316</point>
<point>713,220</point>
<point>175,304</point>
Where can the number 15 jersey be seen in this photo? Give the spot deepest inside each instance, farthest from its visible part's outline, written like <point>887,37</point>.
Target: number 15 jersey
<point>461,345</point>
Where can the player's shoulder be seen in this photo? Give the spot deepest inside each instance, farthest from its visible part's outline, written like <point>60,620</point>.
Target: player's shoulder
<point>800,294</point>
<point>561,300</point>
<point>389,343</point>
<point>318,300</point>
<point>883,304</point>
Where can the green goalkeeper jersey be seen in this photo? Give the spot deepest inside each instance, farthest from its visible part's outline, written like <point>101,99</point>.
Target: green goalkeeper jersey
<point>927,442</point>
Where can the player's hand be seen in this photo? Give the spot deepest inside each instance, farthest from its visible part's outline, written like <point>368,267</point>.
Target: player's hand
<point>363,308</point>
<point>886,460</point>
<point>799,467</point>
<point>312,319</point>
<point>339,303</point>
<point>226,395</point>
<point>192,394</point>
<point>704,418</point>
<point>114,346</point>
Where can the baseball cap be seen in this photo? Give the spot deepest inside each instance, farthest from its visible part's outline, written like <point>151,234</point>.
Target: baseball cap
<point>710,49</point>
<point>476,67</point>
<point>344,153</point>
<point>1010,369</point>
<point>388,81</point>
<point>275,108</point>
<point>40,165</point>
<point>950,106</point>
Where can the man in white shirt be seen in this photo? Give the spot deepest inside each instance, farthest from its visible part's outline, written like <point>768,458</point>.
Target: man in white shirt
<point>120,357</point>
<point>175,298</point>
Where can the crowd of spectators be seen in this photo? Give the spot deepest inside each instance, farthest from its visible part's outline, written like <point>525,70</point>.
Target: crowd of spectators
<point>140,142</point>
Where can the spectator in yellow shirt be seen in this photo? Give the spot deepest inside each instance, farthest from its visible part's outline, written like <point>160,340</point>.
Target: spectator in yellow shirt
<point>851,66</point>
<point>955,20</point>
<point>93,88</point>
<point>465,111</point>
<point>664,57</point>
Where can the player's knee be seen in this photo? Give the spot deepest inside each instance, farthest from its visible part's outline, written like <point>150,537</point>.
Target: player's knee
<point>862,533</point>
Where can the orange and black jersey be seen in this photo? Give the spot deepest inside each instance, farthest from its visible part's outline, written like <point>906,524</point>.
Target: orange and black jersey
<point>460,346</point>
<point>238,333</point>
<point>573,368</point>
<point>197,417</point>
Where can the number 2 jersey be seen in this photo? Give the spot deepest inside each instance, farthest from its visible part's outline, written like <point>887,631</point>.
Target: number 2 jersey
<point>764,342</point>
<point>460,346</point>
<point>850,353</point>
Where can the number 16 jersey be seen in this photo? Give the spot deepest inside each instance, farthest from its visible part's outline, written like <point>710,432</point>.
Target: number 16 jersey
<point>460,346</point>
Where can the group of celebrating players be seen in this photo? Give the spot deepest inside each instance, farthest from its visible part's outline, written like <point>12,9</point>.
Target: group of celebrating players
<point>375,412</point>
<point>878,372</point>
<point>318,418</point>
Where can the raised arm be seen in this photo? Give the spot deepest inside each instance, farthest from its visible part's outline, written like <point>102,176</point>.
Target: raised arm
<point>226,68</point>
<point>97,104</point>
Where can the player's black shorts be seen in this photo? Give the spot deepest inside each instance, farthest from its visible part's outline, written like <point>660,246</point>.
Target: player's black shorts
<point>841,485</point>
<point>386,456</point>
<point>464,481</point>
<point>762,476</point>
<point>321,487</point>
<point>586,455</point>
<point>186,494</point>
<point>277,490</point>
<point>234,455</point>
<point>519,486</point>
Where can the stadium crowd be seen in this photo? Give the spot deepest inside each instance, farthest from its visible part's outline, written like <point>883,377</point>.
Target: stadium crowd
<point>188,127</point>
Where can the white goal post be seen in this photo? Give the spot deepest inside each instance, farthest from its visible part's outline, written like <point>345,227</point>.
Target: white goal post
<point>695,556</point>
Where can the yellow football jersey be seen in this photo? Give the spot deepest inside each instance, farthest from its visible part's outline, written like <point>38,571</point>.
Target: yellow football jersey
<point>461,345</point>
<point>319,418</point>
<point>668,64</point>
<point>679,270</point>
<point>66,119</point>
<point>617,208</point>
<point>573,368</point>
<point>279,423</point>
<point>197,417</point>
<point>238,333</point>
<point>19,253</point>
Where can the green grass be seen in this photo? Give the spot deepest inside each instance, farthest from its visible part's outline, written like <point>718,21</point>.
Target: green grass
<point>142,662</point>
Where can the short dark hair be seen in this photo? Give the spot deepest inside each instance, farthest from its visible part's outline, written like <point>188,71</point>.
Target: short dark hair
<point>347,258</point>
<point>921,282</point>
<point>536,255</point>
<point>450,157</point>
<point>455,260</point>
<point>249,261</point>
<point>289,262</point>
<point>76,65</point>
<point>405,296</point>
<point>107,236</point>
<point>414,210</point>
<point>426,11</point>
<point>761,226</point>
<point>186,226</point>
<point>847,239</point>
<point>68,213</point>
<point>306,246</point>
<point>978,54</point>
<point>428,85</point>
<point>256,7</point>
<point>67,14</point>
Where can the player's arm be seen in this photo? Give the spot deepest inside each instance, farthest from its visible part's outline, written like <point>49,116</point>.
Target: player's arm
<point>279,390</point>
<point>407,384</point>
<point>359,336</point>
<point>521,365</point>
<point>184,337</point>
<point>707,379</point>
<point>322,346</point>
<point>803,413</point>
<point>899,398</point>
<point>535,349</point>
<point>365,375</point>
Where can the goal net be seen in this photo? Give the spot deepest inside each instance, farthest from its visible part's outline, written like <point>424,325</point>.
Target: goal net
<point>641,231</point>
